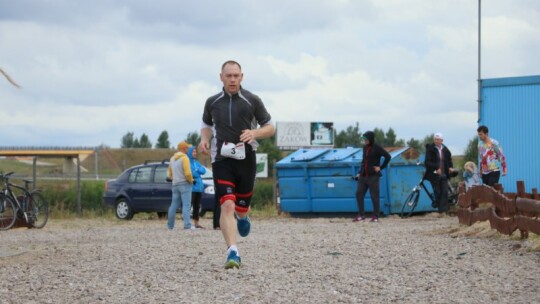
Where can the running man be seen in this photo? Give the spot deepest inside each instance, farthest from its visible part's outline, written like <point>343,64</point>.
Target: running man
<point>234,114</point>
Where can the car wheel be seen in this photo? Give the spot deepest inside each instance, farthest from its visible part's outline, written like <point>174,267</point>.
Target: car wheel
<point>162,215</point>
<point>123,210</point>
<point>202,212</point>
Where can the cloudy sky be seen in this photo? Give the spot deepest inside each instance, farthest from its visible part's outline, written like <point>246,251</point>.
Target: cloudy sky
<point>91,71</point>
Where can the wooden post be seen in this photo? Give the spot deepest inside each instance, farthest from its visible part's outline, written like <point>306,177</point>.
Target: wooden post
<point>96,163</point>
<point>275,186</point>
<point>34,163</point>
<point>520,185</point>
<point>79,208</point>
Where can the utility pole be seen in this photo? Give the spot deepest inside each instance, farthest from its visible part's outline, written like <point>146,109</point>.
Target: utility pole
<point>479,58</point>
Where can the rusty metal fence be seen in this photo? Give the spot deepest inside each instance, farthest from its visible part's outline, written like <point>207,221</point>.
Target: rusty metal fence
<point>506,212</point>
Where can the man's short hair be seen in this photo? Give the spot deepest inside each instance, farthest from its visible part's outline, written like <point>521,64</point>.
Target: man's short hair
<point>483,129</point>
<point>230,62</point>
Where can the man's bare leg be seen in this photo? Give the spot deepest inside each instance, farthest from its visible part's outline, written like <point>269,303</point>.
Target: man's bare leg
<point>227,222</point>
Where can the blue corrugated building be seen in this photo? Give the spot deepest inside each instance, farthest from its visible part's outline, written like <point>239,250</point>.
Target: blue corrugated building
<point>510,108</point>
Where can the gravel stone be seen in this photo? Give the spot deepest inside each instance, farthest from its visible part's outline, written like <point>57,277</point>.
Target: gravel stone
<point>284,260</point>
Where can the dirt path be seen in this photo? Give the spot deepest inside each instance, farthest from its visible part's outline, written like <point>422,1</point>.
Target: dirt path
<point>285,260</point>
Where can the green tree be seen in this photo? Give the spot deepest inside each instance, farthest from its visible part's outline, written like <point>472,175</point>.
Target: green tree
<point>136,143</point>
<point>163,140</point>
<point>416,144</point>
<point>127,140</point>
<point>379,137</point>
<point>390,140</point>
<point>269,147</point>
<point>193,138</point>
<point>350,137</point>
<point>471,152</point>
<point>144,141</point>
<point>428,139</point>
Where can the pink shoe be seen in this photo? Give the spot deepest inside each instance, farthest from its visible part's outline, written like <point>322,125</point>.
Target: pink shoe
<point>359,218</point>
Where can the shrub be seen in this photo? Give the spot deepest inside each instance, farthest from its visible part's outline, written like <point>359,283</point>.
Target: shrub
<point>62,196</point>
<point>263,194</point>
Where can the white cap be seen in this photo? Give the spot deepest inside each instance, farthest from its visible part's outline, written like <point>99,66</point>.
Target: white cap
<point>438,135</point>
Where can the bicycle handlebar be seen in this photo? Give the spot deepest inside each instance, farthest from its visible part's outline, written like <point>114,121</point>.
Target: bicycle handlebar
<point>6,174</point>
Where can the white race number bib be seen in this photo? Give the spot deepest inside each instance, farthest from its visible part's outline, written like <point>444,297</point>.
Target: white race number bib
<point>236,151</point>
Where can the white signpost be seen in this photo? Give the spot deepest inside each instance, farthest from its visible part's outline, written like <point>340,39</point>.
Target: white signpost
<point>294,135</point>
<point>262,165</point>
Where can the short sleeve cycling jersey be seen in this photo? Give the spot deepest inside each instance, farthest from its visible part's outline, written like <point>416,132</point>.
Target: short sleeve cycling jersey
<point>230,114</point>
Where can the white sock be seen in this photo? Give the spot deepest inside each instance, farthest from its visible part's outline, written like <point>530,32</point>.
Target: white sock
<point>238,216</point>
<point>233,248</point>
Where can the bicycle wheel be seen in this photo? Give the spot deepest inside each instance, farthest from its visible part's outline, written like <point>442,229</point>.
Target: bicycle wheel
<point>8,214</point>
<point>38,210</point>
<point>410,203</point>
<point>452,194</point>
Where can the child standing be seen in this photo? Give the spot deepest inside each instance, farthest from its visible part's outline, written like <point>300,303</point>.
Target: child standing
<point>471,175</point>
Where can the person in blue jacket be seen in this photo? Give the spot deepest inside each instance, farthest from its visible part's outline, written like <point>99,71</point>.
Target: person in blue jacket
<point>198,186</point>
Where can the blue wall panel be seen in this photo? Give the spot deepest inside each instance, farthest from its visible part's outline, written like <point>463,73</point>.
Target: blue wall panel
<point>510,108</point>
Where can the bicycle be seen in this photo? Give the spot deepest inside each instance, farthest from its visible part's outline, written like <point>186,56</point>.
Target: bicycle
<point>30,206</point>
<point>412,200</point>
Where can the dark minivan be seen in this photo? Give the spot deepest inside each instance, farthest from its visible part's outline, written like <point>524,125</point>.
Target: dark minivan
<point>144,188</point>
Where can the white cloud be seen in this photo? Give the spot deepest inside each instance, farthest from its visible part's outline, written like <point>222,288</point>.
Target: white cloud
<point>308,67</point>
<point>99,70</point>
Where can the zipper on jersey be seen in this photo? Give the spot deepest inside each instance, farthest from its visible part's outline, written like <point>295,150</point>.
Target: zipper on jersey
<point>230,110</point>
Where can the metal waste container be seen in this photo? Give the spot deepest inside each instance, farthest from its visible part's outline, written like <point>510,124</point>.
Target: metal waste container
<point>322,180</point>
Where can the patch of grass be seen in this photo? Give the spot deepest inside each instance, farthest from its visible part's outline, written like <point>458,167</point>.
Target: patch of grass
<point>264,211</point>
<point>263,194</point>
<point>86,214</point>
<point>25,168</point>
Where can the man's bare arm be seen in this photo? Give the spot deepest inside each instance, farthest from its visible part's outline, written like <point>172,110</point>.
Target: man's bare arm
<point>265,131</point>
<point>206,136</point>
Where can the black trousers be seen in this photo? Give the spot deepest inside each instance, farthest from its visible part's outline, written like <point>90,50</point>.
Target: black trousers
<point>491,178</point>
<point>365,183</point>
<point>440,189</point>
<point>196,204</point>
<point>217,213</point>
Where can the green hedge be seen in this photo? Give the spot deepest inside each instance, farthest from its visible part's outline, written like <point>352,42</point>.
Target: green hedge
<point>62,195</point>
<point>263,194</point>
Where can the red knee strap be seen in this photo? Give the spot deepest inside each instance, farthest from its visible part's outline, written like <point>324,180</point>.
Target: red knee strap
<point>227,197</point>
<point>240,209</point>
<point>244,195</point>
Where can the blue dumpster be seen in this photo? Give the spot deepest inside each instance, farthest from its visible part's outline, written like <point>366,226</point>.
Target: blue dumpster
<point>322,180</point>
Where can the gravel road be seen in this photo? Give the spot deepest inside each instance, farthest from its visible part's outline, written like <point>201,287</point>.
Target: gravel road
<point>285,260</point>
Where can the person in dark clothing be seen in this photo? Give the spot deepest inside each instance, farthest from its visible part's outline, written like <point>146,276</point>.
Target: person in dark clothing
<point>197,170</point>
<point>369,175</point>
<point>439,165</point>
<point>217,211</point>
